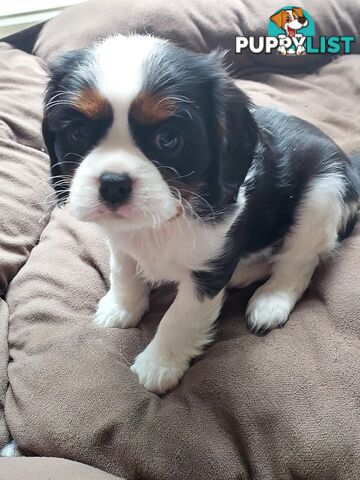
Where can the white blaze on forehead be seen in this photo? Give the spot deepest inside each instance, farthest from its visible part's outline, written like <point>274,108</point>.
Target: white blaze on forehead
<point>119,76</point>
<point>119,61</point>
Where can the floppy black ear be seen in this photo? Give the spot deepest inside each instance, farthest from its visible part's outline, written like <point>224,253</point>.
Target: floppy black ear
<point>62,68</point>
<point>241,137</point>
<point>55,168</point>
<point>236,135</point>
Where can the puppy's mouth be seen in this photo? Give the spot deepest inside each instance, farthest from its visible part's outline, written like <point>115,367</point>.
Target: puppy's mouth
<point>145,206</point>
<point>129,212</point>
<point>126,211</point>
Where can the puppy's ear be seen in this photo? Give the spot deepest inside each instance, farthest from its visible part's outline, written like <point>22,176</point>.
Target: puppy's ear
<point>55,168</point>
<point>235,138</point>
<point>240,137</point>
<point>55,94</point>
<point>278,18</point>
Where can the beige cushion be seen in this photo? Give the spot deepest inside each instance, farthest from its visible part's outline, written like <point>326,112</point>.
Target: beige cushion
<point>24,169</point>
<point>49,469</point>
<point>200,25</point>
<point>276,407</point>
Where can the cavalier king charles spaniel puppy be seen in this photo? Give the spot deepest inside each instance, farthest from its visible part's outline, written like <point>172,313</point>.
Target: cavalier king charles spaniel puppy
<point>192,184</point>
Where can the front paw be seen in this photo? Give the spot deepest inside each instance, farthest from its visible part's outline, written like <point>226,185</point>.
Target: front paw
<point>267,310</point>
<point>113,313</point>
<point>158,372</point>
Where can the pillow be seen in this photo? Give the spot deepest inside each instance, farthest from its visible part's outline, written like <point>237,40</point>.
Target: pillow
<point>25,192</point>
<point>200,25</point>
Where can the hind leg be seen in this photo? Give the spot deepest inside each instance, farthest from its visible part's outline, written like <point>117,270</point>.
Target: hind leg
<point>313,235</point>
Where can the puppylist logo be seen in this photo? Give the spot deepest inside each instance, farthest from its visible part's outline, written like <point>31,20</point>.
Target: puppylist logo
<point>292,26</point>
<point>291,31</point>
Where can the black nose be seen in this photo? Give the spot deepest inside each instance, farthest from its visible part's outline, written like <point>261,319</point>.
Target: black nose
<point>302,20</point>
<point>115,188</point>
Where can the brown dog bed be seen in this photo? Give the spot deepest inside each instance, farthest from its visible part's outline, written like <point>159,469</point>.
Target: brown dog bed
<point>282,406</point>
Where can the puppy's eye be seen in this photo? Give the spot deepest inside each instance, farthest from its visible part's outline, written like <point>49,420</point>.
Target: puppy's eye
<point>168,141</point>
<point>78,133</point>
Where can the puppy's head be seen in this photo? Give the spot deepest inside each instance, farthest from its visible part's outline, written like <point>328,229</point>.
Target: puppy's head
<point>140,131</point>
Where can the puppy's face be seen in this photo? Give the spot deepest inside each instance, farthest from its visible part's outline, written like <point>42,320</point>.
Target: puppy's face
<point>140,131</point>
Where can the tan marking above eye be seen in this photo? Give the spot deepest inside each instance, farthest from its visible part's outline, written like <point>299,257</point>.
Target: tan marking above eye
<point>91,103</point>
<point>149,109</point>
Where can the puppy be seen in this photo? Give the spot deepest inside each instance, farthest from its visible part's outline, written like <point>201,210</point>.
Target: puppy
<point>291,21</point>
<point>194,185</point>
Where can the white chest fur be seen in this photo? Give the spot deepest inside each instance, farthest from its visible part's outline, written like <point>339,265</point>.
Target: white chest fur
<point>171,252</point>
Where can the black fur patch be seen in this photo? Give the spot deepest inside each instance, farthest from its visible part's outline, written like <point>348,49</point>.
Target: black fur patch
<point>290,153</point>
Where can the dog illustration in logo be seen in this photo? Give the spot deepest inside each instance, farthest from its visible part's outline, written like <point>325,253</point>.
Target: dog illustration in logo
<point>291,21</point>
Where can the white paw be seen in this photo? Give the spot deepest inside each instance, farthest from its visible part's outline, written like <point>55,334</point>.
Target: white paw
<point>268,309</point>
<point>113,313</point>
<point>158,373</point>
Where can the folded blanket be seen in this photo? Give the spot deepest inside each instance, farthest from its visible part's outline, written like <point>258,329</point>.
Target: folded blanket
<point>200,25</point>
